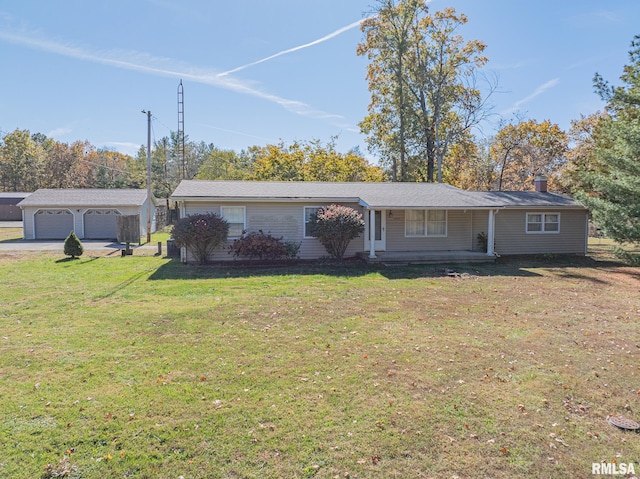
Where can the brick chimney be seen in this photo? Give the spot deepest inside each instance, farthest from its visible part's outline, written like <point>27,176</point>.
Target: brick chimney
<point>541,184</point>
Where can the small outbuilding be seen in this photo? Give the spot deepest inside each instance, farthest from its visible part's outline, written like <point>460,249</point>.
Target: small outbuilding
<point>9,209</point>
<point>91,213</point>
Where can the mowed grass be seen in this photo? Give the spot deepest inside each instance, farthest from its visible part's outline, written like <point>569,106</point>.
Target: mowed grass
<point>141,367</point>
<point>10,234</point>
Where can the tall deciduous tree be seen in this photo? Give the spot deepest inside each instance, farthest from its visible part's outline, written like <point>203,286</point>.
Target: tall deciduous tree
<point>470,166</point>
<point>388,35</point>
<point>21,162</point>
<point>311,161</point>
<point>524,150</point>
<point>69,166</point>
<point>422,77</point>
<point>112,169</point>
<point>581,155</point>
<point>614,195</point>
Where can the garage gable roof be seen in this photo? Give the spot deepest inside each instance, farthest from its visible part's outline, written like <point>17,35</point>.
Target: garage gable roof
<point>85,197</point>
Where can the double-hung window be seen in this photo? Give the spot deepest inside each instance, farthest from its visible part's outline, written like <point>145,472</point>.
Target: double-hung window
<point>425,223</point>
<point>235,216</point>
<point>308,211</point>
<point>543,223</point>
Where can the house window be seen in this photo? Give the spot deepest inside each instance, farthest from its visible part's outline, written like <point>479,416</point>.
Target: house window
<point>308,211</point>
<point>543,222</point>
<point>235,216</point>
<point>425,223</point>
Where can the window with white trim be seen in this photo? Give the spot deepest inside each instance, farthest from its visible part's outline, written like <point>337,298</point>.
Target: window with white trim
<point>235,216</point>
<point>543,223</point>
<point>308,211</point>
<point>419,223</point>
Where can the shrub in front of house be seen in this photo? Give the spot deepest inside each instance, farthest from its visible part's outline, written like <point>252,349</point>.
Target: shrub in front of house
<point>72,246</point>
<point>262,246</point>
<point>293,249</point>
<point>335,226</point>
<point>201,234</point>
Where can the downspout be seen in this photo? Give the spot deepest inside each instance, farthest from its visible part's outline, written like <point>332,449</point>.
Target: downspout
<point>586,234</point>
<point>183,249</point>
<point>491,232</point>
<point>372,234</point>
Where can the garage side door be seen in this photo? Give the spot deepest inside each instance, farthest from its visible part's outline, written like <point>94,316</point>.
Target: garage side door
<point>101,224</point>
<point>53,224</point>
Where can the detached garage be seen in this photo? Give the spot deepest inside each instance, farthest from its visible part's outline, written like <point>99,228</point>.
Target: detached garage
<point>91,213</point>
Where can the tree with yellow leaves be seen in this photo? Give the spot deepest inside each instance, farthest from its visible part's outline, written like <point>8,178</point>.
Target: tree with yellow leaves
<point>521,151</point>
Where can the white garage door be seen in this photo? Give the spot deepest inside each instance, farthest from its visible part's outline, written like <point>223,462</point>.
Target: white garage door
<point>101,224</point>
<point>53,224</point>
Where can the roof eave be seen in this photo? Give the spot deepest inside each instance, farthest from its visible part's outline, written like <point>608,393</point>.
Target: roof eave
<point>269,199</point>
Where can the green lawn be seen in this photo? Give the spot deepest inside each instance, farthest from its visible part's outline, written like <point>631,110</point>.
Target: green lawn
<point>141,367</point>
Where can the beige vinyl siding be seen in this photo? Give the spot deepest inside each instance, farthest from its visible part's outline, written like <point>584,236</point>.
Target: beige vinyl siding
<point>28,224</point>
<point>512,238</point>
<point>284,219</point>
<point>201,209</point>
<point>459,232</point>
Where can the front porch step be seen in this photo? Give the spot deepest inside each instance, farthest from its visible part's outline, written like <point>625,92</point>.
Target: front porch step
<point>433,257</point>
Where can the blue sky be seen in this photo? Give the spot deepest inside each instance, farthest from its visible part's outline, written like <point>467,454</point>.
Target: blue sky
<point>257,72</point>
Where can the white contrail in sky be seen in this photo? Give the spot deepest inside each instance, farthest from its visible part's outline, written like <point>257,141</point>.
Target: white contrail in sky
<point>141,62</point>
<point>538,91</point>
<point>295,49</point>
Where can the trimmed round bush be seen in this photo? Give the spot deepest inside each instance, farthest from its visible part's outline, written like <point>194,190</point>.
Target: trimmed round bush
<point>200,234</point>
<point>335,226</point>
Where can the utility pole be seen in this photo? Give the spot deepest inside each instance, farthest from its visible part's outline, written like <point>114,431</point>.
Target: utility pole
<point>148,175</point>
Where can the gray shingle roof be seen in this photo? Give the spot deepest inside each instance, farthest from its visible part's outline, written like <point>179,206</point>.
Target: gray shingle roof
<point>523,199</point>
<point>374,195</point>
<point>85,197</point>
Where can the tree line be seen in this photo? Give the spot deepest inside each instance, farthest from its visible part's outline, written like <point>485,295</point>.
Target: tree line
<point>507,161</point>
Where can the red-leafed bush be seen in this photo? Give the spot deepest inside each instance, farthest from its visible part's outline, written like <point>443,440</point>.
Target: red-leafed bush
<point>335,226</point>
<point>262,246</point>
<point>201,234</point>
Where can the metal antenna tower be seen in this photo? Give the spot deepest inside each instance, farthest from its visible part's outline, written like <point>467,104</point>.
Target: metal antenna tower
<point>181,129</point>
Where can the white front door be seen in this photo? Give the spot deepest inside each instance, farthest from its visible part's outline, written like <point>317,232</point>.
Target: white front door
<point>380,229</point>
